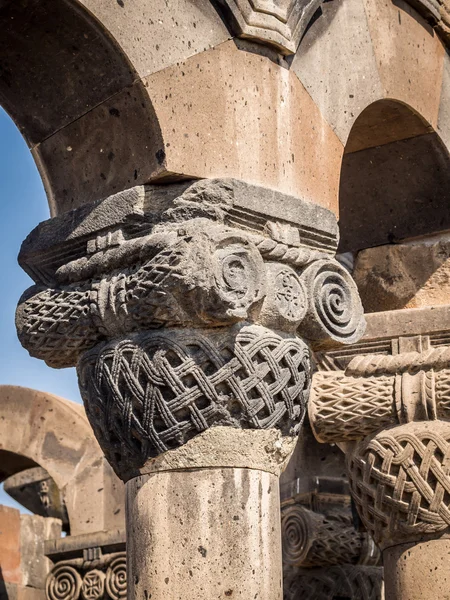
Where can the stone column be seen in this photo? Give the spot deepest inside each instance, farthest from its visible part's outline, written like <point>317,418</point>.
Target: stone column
<point>389,412</point>
<point>188,310</point>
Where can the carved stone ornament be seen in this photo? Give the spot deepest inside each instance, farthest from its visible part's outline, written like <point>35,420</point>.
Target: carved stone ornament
<point>400,482</point>
<point>392,407</point>
<point>185,307</point>
<point>103,578</point>
<point>312,539</point>
<point>353,582</point>
<point>280,23</point>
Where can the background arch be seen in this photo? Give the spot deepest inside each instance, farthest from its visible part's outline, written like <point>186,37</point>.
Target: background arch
<point>37,428</point>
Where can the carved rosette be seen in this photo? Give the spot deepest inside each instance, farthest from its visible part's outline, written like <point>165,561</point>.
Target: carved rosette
<point>185,308</point>
<point>104,578</point>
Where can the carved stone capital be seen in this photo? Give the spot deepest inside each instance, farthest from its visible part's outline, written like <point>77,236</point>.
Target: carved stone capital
<point>390,408</point>
<point>185,307</point>
<point>400,482</point>
<point>312,539</point>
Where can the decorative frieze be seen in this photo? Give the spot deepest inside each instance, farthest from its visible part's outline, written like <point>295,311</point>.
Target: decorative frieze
<point>391,408</point>
<point>185,307</point>
<point>104,577</point>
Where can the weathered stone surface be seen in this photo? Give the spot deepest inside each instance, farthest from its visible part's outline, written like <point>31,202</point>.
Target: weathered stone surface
<point>408,275</point>
<point>417,571</point>
<point>341,88</point>
<point>415,75</point>
<point>55,433</point>
<point>172,31</point>
<point>10,544</point>
<point>231,524</point>
<point>34,530</point>
<point>281,23</point>
<point>262,450</point>
<point>194,261</point>
<point>256,123</point>
<point>37,491</point>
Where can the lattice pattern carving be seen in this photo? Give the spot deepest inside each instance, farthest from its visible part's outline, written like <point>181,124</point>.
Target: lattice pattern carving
<point>346,582</point>
<point>400,481</point>
<point>349,408</point>
<point>154,391</point>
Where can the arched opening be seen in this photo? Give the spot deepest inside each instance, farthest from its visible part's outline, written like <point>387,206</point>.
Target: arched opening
<point>395,209</point>
<point>77,101</point>
<point>395,178</point>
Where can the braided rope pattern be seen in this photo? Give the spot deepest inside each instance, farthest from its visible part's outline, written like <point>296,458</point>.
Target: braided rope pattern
<point>411,362</point>
<point>157,390</point>
<point>442,392</point>
<point>284,253</point>
<point>57,326</point>
<point>400,480</point>
<point>346,582</point>
<point>348,408</point>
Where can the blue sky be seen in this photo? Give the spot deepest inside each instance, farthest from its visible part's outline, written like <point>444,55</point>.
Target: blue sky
<point>23,205</point>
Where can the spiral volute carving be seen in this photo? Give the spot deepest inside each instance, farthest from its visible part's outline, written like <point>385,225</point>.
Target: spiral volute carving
<point>335,310</point>
<point>116,578</point>
<point>63,583</point>
<point>297,534</point>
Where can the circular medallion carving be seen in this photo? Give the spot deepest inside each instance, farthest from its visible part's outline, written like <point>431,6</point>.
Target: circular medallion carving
<point>335,310</point>
<point>93,586</point>
<point>63,583</point>
<point>297,534</point>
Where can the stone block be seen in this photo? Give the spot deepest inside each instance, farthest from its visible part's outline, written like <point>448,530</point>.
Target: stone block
<point>409,55</point>
<point>172,31</point>
<point>412,275</point>
<point>336,64</point>
<point>234,112</point>
<point>34,530</point>
<point>10,545</point>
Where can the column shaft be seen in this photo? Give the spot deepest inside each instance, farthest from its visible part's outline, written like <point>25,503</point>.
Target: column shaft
<point>417,571</point>
<point>203,534</point>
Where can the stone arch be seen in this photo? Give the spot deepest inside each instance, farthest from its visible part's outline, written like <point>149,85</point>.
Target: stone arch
<point>37,428</point>
<point>395,178</point>
<point>361,53</point>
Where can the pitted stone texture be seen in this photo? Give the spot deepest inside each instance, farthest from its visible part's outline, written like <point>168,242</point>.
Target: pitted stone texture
<point>408,275</point>
<point>172,31</point>
<point>341,88</point>
<point>154,391</point>
<point>281,23</point>
<point>215,533</point>
<point>417,571</point>
<point>415,75</point>
<point>256,123</point>
<point>262,450</point>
